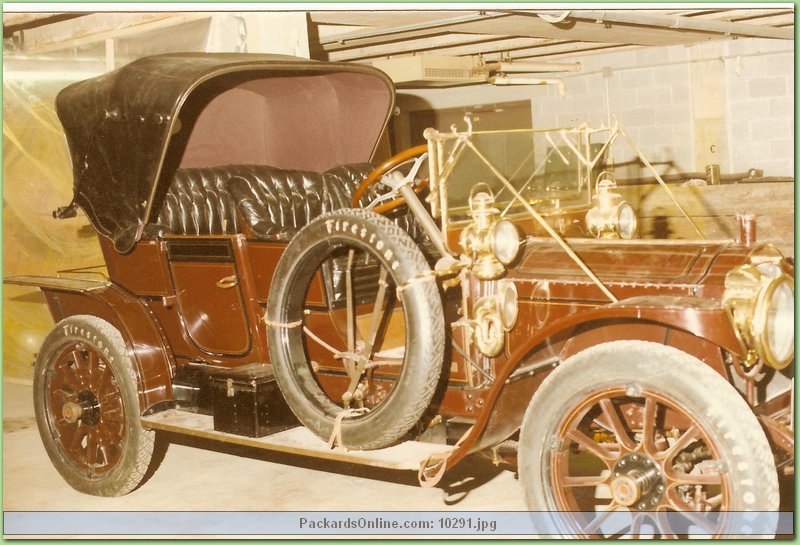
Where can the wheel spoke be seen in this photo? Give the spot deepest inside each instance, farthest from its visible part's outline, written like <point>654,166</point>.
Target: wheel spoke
<point>570,481</point>
<point>637,524</point>
<point>113,415</point>
<point>77,437</point>
<point>687,438</point>
<point>377,313</point>
<point>621,433</point>
<point>661,521</point>
<point>594,526</point>
<point>649,425</point>
<point>91,448</point>
<point>61,395</point>
<point>701,519</point>
<point>709,527</point>
<point>92,370</point>
<point>349,297</point>
<point>99,374</point>
<point>704,479</point>
<point>67,376</point>
<point>105,439</point>
<point>591,445</point>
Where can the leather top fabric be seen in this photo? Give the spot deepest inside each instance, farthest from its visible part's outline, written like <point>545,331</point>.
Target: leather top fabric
<point>129,130</point>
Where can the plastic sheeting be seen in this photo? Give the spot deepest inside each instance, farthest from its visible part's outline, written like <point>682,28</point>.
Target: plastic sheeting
<point>37,179</point>
<point>37,172</point>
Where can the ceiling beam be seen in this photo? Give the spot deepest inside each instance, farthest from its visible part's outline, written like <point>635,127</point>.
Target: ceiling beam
<point>675,23</point>
<point>96,27</point>
<point>391,34</point>
<point>616,27</point>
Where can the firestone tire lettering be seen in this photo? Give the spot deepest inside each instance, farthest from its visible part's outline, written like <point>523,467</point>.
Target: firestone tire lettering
<point>421,370</point>
<point>83,370</point>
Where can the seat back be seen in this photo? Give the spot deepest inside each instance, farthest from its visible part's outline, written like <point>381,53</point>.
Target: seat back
<point>276,203</point>
<point>198,203</point>
<point>272,203</point>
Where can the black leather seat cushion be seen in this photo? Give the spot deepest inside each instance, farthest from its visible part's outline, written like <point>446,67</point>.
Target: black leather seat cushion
<point>274,203</point>
<point>198,203</point>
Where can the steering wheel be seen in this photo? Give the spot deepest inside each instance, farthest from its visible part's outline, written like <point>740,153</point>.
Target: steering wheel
<point>383,173</point>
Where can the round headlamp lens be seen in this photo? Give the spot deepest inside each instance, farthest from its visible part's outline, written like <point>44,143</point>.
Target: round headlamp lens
<point>507,298</point>
<point>505,242</point>
<point>626,221</point>
<point>775,321</point>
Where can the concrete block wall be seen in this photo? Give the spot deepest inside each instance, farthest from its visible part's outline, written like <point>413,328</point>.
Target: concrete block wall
<point>725,102</point>
<point>759,80</point>
<point>645,92</point>
<point>729,102</point>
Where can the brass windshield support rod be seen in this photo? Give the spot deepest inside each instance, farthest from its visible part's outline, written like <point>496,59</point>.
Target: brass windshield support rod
<point>546,226</point>
<point>661,182</point>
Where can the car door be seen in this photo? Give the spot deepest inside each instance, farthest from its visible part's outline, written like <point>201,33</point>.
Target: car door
<point>208,294</point>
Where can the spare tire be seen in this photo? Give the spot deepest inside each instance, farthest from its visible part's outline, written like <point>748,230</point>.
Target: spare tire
<point>362,357</point>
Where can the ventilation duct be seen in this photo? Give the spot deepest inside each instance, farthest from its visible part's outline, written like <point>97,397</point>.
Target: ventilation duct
<point>431,71</point>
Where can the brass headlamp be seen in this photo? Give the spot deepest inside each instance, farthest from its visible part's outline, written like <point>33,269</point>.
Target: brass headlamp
<point>610,216</point>
<point>760,296</point>
<point>491,242</point>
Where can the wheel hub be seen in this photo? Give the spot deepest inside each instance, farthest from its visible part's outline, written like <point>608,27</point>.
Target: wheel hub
<point>87,409</point>
<point>71,412</point>
<point>637,482</point>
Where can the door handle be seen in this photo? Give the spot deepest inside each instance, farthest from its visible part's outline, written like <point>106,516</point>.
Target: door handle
<point>227,282</point>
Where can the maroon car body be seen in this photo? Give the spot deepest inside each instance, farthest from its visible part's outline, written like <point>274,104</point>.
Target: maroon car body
<point>252,297</point>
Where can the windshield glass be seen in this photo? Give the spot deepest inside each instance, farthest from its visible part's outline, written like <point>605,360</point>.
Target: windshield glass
<point>550,170</point>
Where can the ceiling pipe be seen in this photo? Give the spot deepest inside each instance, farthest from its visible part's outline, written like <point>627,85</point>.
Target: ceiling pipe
<point>521,79</point>
<point>674,22</point>
<point>530,66</point>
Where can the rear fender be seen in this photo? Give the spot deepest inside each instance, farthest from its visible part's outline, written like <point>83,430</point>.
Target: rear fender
<point>151,356</point>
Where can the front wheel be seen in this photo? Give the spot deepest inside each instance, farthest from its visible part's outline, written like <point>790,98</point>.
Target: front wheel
<point>87,408</point>
<point>641,439</point>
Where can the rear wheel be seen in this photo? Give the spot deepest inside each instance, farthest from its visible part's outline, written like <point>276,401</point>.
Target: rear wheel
<point>641,439</point>
<point>87,408</point>
<point>356,329</point>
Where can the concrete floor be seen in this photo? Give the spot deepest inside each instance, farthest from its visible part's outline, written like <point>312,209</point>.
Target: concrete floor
<point>200,476</point>
<point>203,478</point>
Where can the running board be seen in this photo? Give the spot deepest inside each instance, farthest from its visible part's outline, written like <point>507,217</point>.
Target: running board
<point>300,440</point>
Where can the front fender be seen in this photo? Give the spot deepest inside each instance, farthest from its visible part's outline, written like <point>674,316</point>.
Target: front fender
<point>152,359</point>
<point>706,319</point>
<point>698,326</point>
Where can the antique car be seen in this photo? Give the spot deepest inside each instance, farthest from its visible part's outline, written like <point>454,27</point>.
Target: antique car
<point>266,285</point>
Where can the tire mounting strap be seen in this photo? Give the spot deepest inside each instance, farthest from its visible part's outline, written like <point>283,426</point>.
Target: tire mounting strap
<point>336,434</point>
<point>421,278</point>
<point>440,460</point>
<point>430,462</point>
<point>270,323</point>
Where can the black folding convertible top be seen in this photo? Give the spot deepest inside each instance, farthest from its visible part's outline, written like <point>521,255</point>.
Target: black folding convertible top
<point>128,130</point>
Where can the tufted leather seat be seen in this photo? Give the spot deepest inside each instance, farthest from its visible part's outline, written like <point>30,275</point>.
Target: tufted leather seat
<point>276,203</point>
<point>345,179</point>
<point>198,203</point>
<point>273,203</point>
